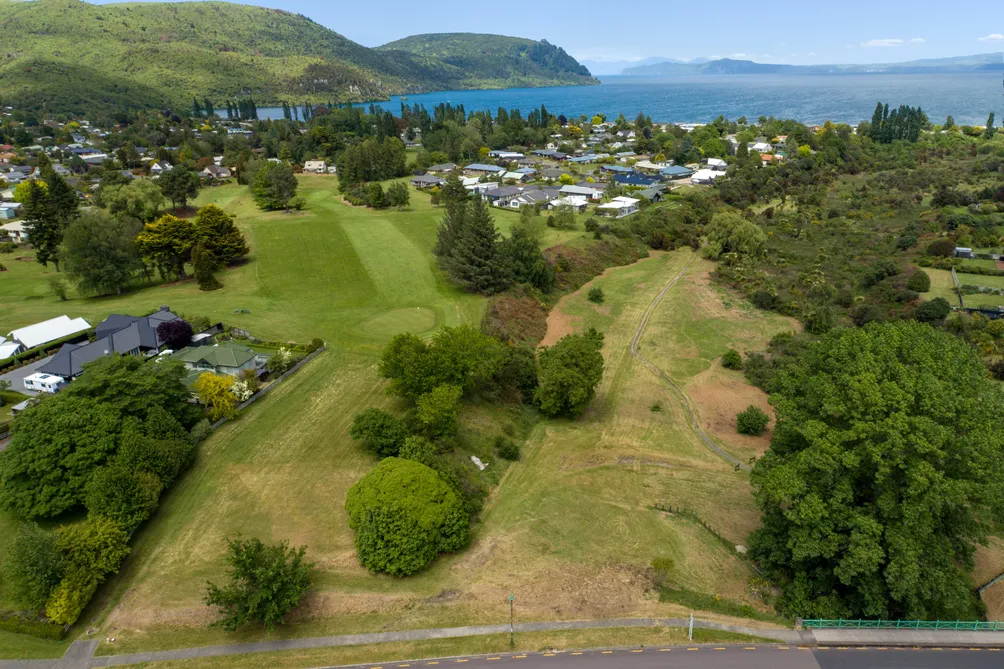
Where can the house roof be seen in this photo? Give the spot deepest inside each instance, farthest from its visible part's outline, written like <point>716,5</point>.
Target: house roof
<point>481,167</point>
<point>221,355</point>
<point>616,168</point>
<point>140,329</point>
<point>677,170</point>
<point>634,179</point>
<point>8,348</point>
<point>442,167</point>
<point>427,179</point>
<point>503,192</point>
<point>50,330</point>
<point>580,190</point>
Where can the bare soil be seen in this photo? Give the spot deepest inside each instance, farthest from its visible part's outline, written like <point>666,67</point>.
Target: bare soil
<point>719,395</point>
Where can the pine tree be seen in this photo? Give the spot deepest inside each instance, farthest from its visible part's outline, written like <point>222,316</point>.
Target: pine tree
<point>450,229</point>
<point>988,132</point>
<point>452,191</point>
<point>196,107</point>
<point>42,225</point>
<point>476,260</point>
<point>205,264</point>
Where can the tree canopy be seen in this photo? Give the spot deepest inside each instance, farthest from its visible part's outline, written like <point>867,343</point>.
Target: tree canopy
<point>273,186</point>
<point>569,373</point>
<point>884,473</point>
<point>404,515</point>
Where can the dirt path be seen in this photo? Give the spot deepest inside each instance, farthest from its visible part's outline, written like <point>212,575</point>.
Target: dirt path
<point>688,405</point>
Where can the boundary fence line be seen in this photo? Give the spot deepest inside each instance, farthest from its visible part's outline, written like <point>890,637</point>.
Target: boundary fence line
<point>964,625</point>
<point>264,391</point>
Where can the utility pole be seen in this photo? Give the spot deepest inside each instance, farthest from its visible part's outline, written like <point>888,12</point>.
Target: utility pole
<point>511,598</point>
<point>690,632</point>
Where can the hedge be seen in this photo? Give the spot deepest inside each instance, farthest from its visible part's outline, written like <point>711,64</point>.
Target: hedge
<point>36,628</point>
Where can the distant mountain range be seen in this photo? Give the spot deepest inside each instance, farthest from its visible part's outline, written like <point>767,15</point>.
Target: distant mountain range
<point>983,62</point>
<point>600,67</point>
<point>68,55</point>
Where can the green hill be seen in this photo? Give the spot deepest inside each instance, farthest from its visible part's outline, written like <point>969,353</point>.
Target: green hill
<point>473,60</point>
<point>70,55</point>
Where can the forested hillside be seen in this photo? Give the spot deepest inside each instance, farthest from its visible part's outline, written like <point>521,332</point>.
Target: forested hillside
<point>474,59</point>
<point>70,55</point>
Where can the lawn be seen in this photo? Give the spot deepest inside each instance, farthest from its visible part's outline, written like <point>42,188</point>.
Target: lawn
<point>569,529</point>
<point>942,286</point>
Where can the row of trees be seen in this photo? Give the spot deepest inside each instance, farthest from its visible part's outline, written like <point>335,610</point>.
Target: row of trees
<point>372,159</point>
<point>110,444</point>
<point>473,253</point>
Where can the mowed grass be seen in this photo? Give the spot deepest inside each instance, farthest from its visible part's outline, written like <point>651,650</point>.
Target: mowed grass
<point>569,529</point>
<point>942,286</point>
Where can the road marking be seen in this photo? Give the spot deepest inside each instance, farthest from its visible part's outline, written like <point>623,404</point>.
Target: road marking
<point>993,650</point>
<point>572,654</point>
<point>956,649</point>
<point>720,648</point>
<point>665,650</point>
<point>520,657</point>
<point>782,648</point>
<point>881,648</point>
<point>803,648</point>
<point>606,652</point>
<point>823,647</point>
<point>494,658</point>
<point>637,650</point>
<point>938,648</point>
<point>750,648</point>
<point>404,665</point>
<point>843,648</point>
<point>862,647</point>
<point>693,649</point>
<point>549,654</point>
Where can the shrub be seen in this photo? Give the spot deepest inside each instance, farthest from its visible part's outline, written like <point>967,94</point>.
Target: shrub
<point>201,430</point>
<point>33,567</point>
<point>175,335</point>
<point>932,310</point>
<point>418,449</point>
<point>315,344</point>
<point>380,432</point>
<point>596,295</point>
<point>507,448</point>
<point>764,299</point>
<point>35,628</point>
<point>942,248</point>
<point>126,496</point>
<point>569,373</point>
<point>919,281</point>
<point>266,583</point>
<point>96,546</point>
<point>404,515</point>
<point>753,420</point>
<point>732,360</point>
<point>71,596</point>
<point>58,287</point>
<point>437,410</point>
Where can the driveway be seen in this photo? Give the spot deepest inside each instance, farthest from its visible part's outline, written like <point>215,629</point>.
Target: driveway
<point>17,377</point>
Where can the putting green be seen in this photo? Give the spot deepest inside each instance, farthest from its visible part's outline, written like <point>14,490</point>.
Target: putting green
<point>396,321</point>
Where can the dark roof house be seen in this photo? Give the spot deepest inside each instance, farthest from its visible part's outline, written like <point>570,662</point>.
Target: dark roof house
<point>128,335</point>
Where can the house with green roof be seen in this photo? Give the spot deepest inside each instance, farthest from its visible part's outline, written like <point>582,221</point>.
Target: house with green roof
<point>223,358</point>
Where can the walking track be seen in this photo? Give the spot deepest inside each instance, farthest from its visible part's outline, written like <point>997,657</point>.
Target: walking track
<point>688,407</point>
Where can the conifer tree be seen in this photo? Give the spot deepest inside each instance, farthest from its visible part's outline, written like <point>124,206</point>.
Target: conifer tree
<point>476,260</point>
<point>205,264</point>
<point>450,229</point>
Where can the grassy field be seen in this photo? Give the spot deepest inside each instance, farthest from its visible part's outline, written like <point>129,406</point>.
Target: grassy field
<point>942,286</point>
<point>569,528</point>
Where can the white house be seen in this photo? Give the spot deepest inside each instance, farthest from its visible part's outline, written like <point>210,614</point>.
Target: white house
<point>47,331</point>
<point>576,202</point>
<point>761,147</point>
<point>705,176</point>
<point>717,164</point>
<point>315,167</point>
<point>619,207</point>
<point>15,231</point>
<point>43,383</point>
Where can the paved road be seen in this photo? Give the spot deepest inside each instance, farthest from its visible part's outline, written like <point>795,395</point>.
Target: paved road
<point>16,377</point>
<point>722,657</point>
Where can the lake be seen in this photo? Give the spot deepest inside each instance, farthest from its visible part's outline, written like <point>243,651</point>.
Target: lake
<point>849,98</point>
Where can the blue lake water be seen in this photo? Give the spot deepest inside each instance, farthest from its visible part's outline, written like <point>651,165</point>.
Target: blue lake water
<point>969,98</point>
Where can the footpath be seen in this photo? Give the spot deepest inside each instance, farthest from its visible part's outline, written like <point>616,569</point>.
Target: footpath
<point>80,654</point>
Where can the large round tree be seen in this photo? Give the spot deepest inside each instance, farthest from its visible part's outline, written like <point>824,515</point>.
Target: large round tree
<point>885,472</point>
<point>404,515</point>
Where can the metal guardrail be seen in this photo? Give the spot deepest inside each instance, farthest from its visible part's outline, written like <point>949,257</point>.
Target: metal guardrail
<point>965,625</point>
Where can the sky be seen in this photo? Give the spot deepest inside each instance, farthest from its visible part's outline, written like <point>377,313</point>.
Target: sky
<point>779,31</point>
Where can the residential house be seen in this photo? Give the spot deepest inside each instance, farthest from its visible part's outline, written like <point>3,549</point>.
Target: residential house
<point>7,195</point>
<point>761,147</point>
<point>315,167</point>
<point>550,152</point>
<point>500,197</point>
<point>8,348</point>
<point>649,166</point>
<point>582,191</point>
<point>576,202</point>
<point>532,197</point>
<point>676,172</point>
<point>551,173</point>
<point>480,169</point>
<point>480,188</point>
<point>635,179</point>
<point>616,169</point>
<point>441,168</point>
<point>717,164</point>
<point>964,252</point>
<point>505,155</point>
<point>619,207</point>
<point>426,181</point>
<point>653,193</point>
<point>529,171</point>
<point>33,336</point>
<point>9,210</point>
<point>705,176</point>
<point>224,358</point>
<point>94,158</point>
<point>216,172</point>
<point>126,335</point>
<point>158,168</point>
<point>518,177</point>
